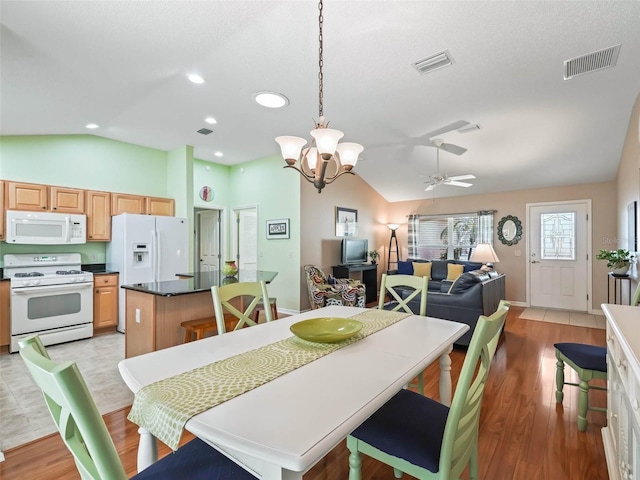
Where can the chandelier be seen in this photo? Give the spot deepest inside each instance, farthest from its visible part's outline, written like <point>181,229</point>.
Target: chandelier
<point>312,162</point>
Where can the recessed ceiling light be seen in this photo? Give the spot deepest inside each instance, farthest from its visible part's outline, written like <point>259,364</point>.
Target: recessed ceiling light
<point>271,99</point>
<point>211,120</point>
<point>195,78</point>
<point>91,125</point>
<point>218,154</point>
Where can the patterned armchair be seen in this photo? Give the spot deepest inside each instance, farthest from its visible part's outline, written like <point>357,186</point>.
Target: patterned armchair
<point>343,291</point>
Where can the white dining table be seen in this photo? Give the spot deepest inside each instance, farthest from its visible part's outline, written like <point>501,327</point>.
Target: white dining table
<point>284,427</point>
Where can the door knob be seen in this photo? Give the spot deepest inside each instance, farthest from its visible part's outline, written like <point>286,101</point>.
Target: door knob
<point>535,261</point>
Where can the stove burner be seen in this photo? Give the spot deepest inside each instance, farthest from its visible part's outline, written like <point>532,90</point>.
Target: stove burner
<point>68,272</point>
<point>29,274</point>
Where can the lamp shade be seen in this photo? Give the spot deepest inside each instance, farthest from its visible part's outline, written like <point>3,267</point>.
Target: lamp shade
<point>291,146</point>
<point>326,139</point>
<point>484,253</point>
<point>349,152</point>
<point>312,158</point>
<point>393,226</point>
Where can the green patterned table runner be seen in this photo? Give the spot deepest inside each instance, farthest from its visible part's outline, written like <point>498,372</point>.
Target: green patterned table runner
<point>164,407</point>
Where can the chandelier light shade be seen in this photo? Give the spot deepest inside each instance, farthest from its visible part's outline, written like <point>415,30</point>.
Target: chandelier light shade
<point>485,254</point>
<point>324,149</point>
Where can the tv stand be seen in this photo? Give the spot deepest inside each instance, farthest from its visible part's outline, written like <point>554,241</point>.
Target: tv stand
<point>369,277</point>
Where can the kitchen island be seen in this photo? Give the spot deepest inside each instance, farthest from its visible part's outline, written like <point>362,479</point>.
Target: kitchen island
<point>155,310</point>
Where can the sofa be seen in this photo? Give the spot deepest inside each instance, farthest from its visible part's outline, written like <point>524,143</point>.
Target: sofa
<point>438,271</point>
<point>473,293</point>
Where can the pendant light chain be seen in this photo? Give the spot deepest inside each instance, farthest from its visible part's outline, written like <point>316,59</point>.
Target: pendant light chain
<point>320,85</point>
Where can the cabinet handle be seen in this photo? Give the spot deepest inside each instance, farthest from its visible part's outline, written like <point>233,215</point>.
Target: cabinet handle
<point>44,207</point>
<point>97,291</point>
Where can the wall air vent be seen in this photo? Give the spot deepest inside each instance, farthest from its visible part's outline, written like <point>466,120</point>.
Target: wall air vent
<point>434,62</point>
<point>205,131</point>
<point>591,62</point>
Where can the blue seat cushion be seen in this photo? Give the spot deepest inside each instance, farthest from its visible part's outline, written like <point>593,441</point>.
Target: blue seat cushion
<point>409,426</point>
<point>196,461</point>
<point>588,357</point>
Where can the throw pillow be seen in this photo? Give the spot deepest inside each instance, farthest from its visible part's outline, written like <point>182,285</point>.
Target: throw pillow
<point>422,269</point>
<point>454,271</point>
<point>464,282</point>
<point>405,268</point>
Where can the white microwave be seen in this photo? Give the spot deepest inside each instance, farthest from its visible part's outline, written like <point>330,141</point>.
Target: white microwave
<point>40,228</point>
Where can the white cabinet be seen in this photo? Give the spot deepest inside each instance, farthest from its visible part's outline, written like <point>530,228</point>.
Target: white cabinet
<point>621,436</point>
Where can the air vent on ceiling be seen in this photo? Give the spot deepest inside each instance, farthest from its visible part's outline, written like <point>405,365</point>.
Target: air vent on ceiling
<point>434,62</point>
<point>591,62</point>
<point>205,131</point>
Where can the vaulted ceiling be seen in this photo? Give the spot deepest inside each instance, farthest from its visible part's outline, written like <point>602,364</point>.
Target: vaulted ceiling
<point>123,66</point>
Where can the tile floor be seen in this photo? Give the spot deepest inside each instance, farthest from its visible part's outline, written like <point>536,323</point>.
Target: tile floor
<point>579,319</point>
<point>23,414</point>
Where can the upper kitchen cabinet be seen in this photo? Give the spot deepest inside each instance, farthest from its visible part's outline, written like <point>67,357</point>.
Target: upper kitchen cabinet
<point>98,216</point>
<point>26,196</point>
<point>123,203</point>
<point>160,206</point>
<point>66,200</point>
<point>1,210</point>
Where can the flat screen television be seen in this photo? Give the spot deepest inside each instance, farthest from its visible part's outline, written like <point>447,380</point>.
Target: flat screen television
<point>354,251</point>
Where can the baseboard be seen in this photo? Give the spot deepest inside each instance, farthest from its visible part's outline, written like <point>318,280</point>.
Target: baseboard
<point>518,304</point>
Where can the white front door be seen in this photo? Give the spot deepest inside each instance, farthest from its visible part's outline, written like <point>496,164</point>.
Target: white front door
<point>209,234</point>
<point>558,267</point>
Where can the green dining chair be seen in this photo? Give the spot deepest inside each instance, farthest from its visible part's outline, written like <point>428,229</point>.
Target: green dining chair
<point>635,300</point>
<point>86,436</point>
<point>424,438</point>
<point>394,285</point>
<point>225,296</point>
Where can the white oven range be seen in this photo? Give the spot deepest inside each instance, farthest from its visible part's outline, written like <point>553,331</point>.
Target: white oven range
<point>50,296</point>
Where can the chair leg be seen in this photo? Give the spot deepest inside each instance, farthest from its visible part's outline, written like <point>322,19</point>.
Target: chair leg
<point>274,311</point>
<point>559,381</point>
<point>473,463</point>
<point>397,473</point>
<point>355,462</point>
<point>187,335</point>
<point>583,405</point>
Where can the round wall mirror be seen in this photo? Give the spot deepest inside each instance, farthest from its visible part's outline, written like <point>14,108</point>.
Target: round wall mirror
<point>509,230</point>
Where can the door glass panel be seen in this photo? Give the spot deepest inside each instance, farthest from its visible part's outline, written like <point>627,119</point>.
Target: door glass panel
<point>558,236</point>
<point>53,305</point>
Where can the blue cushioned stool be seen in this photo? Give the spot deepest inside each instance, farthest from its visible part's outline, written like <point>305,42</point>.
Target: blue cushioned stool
<point>590,362</point>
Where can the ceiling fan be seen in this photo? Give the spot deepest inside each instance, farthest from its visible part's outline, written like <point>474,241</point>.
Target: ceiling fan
<point>428,139</point>
<point>440,179</point>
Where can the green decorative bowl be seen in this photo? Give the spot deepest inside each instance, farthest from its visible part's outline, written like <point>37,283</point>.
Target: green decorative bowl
<point>326,330</point>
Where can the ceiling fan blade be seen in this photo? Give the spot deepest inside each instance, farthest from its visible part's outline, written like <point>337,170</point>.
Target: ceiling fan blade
<point>447,128</point>
<point>451,148</point>
<point>429,188</point>
<point>458,184</point>
<point>462,177</point>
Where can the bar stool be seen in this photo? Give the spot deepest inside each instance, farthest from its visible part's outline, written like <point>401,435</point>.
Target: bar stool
<point>198,327</point>
<point>260,306</point>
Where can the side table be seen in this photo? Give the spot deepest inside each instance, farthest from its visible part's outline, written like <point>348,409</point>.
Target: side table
<point>617,279</point>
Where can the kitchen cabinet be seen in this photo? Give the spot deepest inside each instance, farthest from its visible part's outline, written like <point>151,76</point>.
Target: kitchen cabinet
<point>105,301</point>
<point>160,206</point>
<point>66,200</point>
<point>26,196</point>
<point>5,315</point>
<point>98,216</point>
<point>124,203</point>
<point>621,436</point>
<point>2,210</point>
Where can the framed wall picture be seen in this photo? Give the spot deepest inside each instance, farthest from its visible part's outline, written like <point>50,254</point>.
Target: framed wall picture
<point>277,229</point>
<point>346,222</point>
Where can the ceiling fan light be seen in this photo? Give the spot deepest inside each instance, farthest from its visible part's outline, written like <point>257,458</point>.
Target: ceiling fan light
<point>291,148</point>
<point>326,139</point>
<point>348,153</point>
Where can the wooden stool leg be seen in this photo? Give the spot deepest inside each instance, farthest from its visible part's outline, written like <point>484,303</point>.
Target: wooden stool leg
<point>274,310</point>
<point>256,314</point>
<point>199,333</point>
<point>187,335</point>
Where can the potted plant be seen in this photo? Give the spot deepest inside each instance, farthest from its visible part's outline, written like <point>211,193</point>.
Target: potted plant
<point>373,255</point>
<point>617,260</point>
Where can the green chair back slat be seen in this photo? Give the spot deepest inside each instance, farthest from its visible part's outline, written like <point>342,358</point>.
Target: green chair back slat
<point>74,412</point>
<point>390,284</point>
<point>224,294</point>
<point>635,300</point>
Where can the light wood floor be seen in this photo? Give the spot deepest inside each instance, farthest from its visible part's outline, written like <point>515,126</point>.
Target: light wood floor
<point>524,434</point>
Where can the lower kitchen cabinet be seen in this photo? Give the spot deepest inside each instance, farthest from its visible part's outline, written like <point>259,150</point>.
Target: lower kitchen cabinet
<point>105,301</point>
<point>5,326</point>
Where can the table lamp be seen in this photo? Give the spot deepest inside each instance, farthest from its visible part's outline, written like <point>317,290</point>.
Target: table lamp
<point>484,253</point>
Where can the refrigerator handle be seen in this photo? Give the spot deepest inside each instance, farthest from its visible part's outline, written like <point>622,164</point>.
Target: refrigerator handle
<point>154,256</point>
<point>158,258</point>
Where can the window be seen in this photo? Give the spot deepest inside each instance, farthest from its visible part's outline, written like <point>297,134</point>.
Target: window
<point>558,236</point>
<point>449,236</point>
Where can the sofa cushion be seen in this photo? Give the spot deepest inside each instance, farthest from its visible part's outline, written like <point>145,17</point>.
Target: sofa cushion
<point>439,269</point>
<point>422,269</point>
<point>464,282</point>
<point>405,268</point>
<point>454,271</point>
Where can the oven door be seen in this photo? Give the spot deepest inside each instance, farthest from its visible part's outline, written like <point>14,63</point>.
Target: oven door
<point>35,309</point>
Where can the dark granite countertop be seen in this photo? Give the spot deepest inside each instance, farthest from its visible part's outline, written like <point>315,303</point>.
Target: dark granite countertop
<point>96,268</point>
<point>199,282</point>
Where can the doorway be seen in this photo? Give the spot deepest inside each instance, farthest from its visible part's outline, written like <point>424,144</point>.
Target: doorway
<point>245,238</point>
<point>558,268</point>
<point>209,239</point>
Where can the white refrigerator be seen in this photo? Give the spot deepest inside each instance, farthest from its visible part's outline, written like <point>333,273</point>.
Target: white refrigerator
<point>146,249</point>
